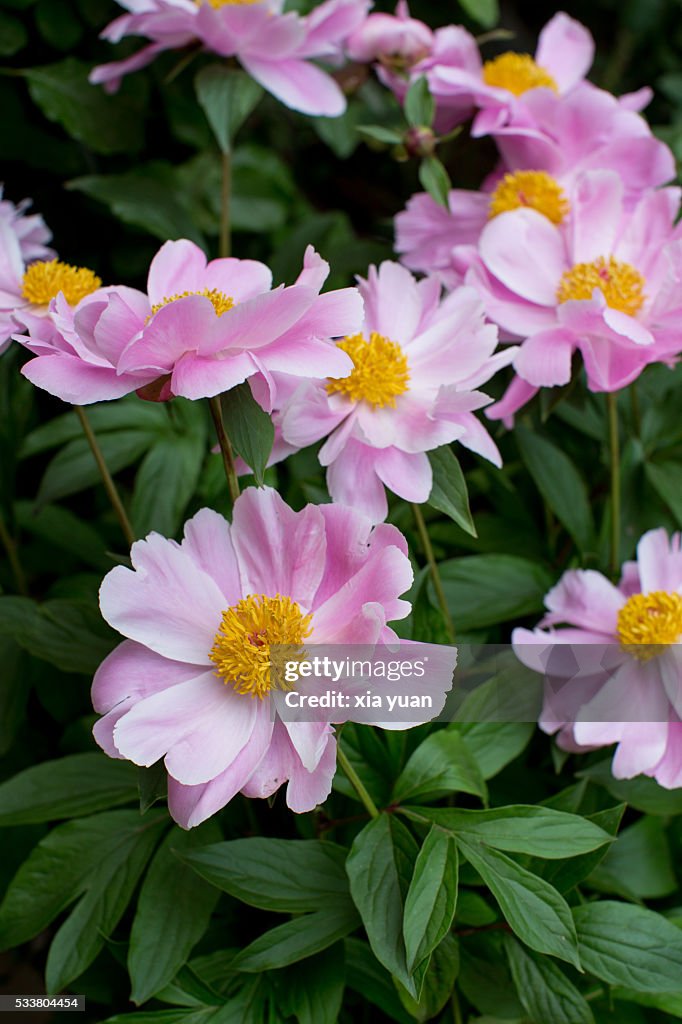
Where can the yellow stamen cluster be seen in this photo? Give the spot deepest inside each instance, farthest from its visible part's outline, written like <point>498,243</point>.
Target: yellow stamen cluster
<point>517,73</point>
<point>649,622</point>
<point>380,373</point>
<point>242,651</point>
<point>45,279</point>
<point>536,190</point>
<point>220,302</point>
<point>621,285</point>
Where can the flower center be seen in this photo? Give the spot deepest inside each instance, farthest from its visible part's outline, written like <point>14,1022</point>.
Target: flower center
<point>534,189</point>
<point>647,622</point>
<point>517,73</point>
<point>45,279</point>
<point>219,300</point>
<point>621,285</point>
<point>242,652</point>
<point>380,372</point>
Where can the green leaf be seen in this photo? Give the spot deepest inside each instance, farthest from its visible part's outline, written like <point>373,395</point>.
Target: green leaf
<point>312,991</point>
<point>564,875</point>
<point>285,875</point>
<point>13,35</point>
<point>173,912</point>
<point>69,787</point>
<point>420,107</point>
<point>639,864</point>
<point>105,124</point>
<point>378,133</point>
<point>63,529</point>
<point>58,24</point>
<point>520,828</point>
<point>149,197</point>
<point>74,469</point>
<point>442,764</point>
<point>297,939</point>
<point>380,866</point>
<point>482,590</point>
<point>152,784</point>
<point>495,744</point>
<point>666,480</point>
<point>371,981</point>
<point>249,428</point>
<point>432,897</point>
<point>14,691</point>
<point>437,984</point>
<point>627,945</point>
<point>60,868</point>
<point>449,491</point>
<point>109,890</point>
<point>169,475</point>
<point>485,12</point>
<point>560,484</point>
<point>435,179</point>
<point>68,634</point>
<point>533,909</point>
<point>666,1002</point>
<point>642,793</point>
<point>543,989</point>
<point>227,96</point>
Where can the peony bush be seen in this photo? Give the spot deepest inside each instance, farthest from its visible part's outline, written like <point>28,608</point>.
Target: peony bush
<point>341,478</point>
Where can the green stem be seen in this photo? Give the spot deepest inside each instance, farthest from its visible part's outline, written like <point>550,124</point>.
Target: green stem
<point>225,447</point>
<point>456,1009</point>
<point>433,568</point>
<point>614,458</point>
<point>357,783</point>
<point>10,547</point>
<point>109,485</point>
<point>225,194</point>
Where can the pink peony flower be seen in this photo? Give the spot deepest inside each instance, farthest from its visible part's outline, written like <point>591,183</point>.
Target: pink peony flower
<point>616,654</point>
<point>403,49</point>
<point>207,326</point>
<point>275,48</point>
<point>607,283</point>
<point>417,362</point>
<point>499,87</point>
<point>544,152</point>
<point>31,231</point>
<point>190,682</point>
<point>27,288</point>
<point>76,348</point>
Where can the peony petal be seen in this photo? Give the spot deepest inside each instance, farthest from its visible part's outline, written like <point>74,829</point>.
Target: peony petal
<point>279,551</point>
<point>298,85</point>
<point>536,276</point>
<point>168,604</point>
<point>190,805</point>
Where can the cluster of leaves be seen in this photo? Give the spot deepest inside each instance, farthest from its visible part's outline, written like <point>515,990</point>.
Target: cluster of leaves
<point>564,908</point>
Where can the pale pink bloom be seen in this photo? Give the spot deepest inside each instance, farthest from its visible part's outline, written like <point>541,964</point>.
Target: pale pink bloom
<point>205,327</point>
<point>275,48</point>
<point>163,695</point>
<point>403,49</point>
<point>500,86</point>
<point>30,229</point>
<point>606,285</point>
<point>418,362</point>
<point>560,136</point>
<point>29,284</point>
<point>614,651</point>
<point>76,348</point>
